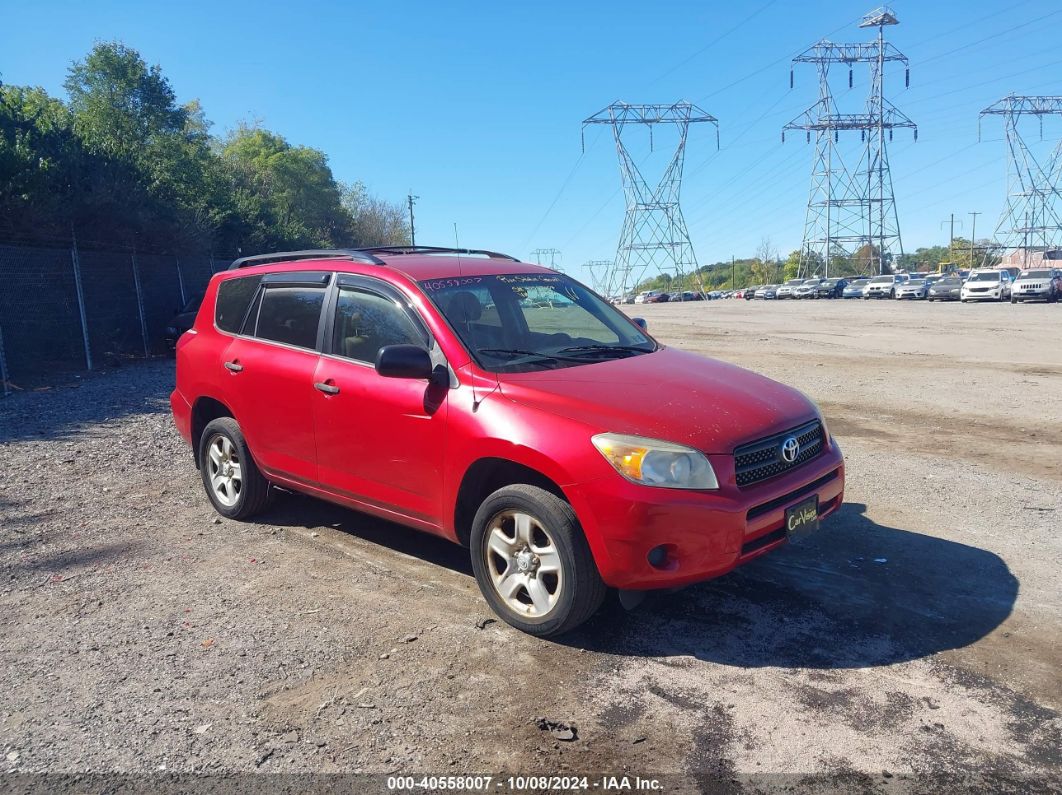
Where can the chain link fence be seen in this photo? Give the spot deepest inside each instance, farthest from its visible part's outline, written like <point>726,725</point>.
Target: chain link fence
<point>65,308</point>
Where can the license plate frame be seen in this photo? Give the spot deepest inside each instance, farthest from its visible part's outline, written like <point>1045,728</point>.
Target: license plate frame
<point>802,518</point>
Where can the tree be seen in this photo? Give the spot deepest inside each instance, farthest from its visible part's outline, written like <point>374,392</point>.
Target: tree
<point>375,221</point>
<point>284,195</point>
<point>122,163</point>
<point>764,267</point>
<point>792,265</point>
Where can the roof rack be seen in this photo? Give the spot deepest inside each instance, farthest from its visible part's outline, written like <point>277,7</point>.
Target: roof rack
<point>357,255</point>
<point>435,250</point>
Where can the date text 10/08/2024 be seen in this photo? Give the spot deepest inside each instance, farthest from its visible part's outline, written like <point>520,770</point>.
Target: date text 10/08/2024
<point>524,783</point>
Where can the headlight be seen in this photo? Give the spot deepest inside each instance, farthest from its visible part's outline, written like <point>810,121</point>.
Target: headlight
<point>652,462</point>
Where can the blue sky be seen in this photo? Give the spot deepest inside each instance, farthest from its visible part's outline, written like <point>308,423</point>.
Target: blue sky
<point>476,107</point>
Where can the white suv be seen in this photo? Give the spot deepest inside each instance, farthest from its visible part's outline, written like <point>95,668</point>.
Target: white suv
<point>986,285</point>
<point>1037,284</point>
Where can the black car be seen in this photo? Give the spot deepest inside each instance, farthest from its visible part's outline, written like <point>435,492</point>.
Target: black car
<point>947,289</point>
<point>183,320</point>
<point>831,288</point>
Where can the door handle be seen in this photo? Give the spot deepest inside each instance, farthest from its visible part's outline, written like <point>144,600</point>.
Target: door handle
<point>328,389</point>
<point>233,366</point>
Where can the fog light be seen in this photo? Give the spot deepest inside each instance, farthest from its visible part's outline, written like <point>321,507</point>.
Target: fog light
<point>662,557</point>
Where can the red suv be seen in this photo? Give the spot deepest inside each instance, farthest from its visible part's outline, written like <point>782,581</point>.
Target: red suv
<point>505,407</point>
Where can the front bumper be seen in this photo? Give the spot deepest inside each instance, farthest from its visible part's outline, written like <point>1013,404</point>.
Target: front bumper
<point>1042,294</point>
<point>706,534</point>
<point>988,295</point>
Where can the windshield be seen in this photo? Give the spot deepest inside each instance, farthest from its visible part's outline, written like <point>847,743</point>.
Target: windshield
<point>794,282</point>
<point>985,277</point>
<point>916,282</point>
<point>1035,275</point>
<point>534,321</point>
<point>949,281</point>
<point>860,283</point>
<point>882,280</point>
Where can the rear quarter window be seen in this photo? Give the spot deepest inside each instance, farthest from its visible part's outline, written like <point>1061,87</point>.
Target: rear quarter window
<point>233,297</point>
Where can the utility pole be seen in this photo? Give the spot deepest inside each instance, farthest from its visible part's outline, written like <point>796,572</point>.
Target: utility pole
<point>973,237</point>
<point>411,199</point>
<point>733,276</point>
<point>951,237</point>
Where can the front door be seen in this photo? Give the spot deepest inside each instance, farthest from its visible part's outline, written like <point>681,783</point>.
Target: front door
<point>380,441</point>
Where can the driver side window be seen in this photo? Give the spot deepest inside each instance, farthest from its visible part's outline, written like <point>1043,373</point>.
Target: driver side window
<point>366,322</point>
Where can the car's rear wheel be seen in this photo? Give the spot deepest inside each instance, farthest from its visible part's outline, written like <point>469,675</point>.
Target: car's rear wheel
<point>231,478</point>
<point>532,562</point>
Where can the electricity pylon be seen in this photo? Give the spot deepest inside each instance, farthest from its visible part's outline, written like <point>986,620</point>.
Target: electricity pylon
<point>546,256</point>
<point>851,206</point>
<point>1031,217</point>
<point>601,276</point>
<point>654,232</point>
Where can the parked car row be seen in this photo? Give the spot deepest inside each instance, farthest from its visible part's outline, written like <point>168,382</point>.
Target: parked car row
<point>984,284</point>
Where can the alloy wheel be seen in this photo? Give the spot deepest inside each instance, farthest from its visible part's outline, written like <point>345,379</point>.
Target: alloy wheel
<point>226,474</point>
<point>524,564</point>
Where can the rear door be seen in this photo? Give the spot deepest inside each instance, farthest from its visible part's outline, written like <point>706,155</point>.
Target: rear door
<point>270,371</point>
<point>380,441</point>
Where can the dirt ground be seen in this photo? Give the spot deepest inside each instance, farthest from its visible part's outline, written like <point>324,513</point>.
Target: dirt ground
<point>914,642</point>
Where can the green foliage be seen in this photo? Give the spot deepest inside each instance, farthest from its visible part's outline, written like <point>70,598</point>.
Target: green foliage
<point>792,265</point>
<point>122,163</point>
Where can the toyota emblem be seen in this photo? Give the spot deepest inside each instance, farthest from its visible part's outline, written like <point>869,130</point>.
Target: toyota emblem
<point>790,450</point>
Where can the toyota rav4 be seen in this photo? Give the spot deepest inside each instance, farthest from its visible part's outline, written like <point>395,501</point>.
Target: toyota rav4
<point>503,406</point>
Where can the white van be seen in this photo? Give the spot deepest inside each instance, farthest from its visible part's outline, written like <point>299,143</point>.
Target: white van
<point>986,285</point>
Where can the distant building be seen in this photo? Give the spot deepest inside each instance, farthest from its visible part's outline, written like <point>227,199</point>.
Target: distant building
<point>1026,257</point>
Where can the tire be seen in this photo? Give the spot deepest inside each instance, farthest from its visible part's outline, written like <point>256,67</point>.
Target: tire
<point>526,520</point>
<point>244,491</point>
<point>1013,300</point>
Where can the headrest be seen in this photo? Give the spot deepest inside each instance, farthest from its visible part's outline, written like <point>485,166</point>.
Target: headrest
<point>464,307</point>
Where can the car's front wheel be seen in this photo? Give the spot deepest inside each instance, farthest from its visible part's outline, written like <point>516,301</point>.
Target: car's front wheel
<point>232,480</point>
<point>532,562</point>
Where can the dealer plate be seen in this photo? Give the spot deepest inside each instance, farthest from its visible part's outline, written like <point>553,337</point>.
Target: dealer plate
<point>802,518</point>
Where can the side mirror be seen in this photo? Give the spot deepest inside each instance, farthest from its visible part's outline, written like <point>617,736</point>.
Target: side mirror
<point>404,361</point>
<point>640,322</point>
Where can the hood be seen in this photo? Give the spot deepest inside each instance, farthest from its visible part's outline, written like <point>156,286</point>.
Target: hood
<point>670,394</point>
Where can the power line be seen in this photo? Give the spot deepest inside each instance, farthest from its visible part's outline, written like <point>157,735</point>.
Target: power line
<point>713,42</point>
<point>990,37</point>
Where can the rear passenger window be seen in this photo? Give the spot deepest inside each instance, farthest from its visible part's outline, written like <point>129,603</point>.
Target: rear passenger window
<point>290,315</point>
<point>366,322</point>
<point>232,300</point>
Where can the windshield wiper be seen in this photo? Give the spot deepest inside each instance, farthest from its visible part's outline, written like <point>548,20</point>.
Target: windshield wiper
<point>518,352</point>
<point>605,349</point>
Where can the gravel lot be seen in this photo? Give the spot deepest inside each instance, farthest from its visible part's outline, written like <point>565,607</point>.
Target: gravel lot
<point>914,642</point>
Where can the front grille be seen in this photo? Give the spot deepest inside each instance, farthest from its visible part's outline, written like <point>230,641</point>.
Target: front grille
<point>762,459</point>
